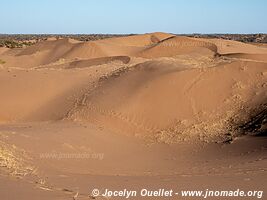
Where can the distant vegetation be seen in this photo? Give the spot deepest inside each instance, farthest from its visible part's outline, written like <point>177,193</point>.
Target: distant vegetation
<point>14,44</point>
<point>22,40</point>
<point>255,38</point>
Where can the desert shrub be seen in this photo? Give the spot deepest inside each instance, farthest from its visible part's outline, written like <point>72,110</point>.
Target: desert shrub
<point>2,62</point>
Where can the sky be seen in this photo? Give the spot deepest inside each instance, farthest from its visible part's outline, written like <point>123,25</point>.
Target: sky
<point>132,16</point>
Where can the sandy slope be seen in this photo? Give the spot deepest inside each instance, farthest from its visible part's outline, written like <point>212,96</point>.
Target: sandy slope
<point>116,162</point>
<point>172,100</point>
<point>152,110</point>
<point>179,45</point>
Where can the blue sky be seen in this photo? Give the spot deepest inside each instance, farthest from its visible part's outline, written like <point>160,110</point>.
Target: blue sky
<point>133,16</point>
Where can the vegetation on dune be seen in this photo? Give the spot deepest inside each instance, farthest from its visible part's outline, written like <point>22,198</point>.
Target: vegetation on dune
<point>253,122</point>
<point>14,44</point>
<point>12,160</point>
<point>2,62</point>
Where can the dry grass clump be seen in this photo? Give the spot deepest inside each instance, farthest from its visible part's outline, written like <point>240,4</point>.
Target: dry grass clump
<point>2,62</point>
<point>13,160</point>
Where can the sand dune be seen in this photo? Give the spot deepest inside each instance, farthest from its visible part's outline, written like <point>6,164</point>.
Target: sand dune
<point>162,109</point>
<point>41,53</point>
<point>155,96</point>
<point>246,56</point>
<point>140,40</point>
<point>179,45</point>
<point>98,61</point>
<point>229,46</point>
<point>23,96</point>
<point>49,45</point>
<point>3,50</point>
<point>49,51</point>
<point>162,98</point>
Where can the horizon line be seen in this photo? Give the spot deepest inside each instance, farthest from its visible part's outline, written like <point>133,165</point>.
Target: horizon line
<point>132,33</point>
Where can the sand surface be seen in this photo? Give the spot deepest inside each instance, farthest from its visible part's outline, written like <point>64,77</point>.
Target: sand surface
<point>147,111</point>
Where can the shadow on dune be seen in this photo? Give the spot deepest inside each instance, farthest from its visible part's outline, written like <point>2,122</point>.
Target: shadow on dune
<point>98,61</point>
<point>256,125</point>
<point>247,56</point>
